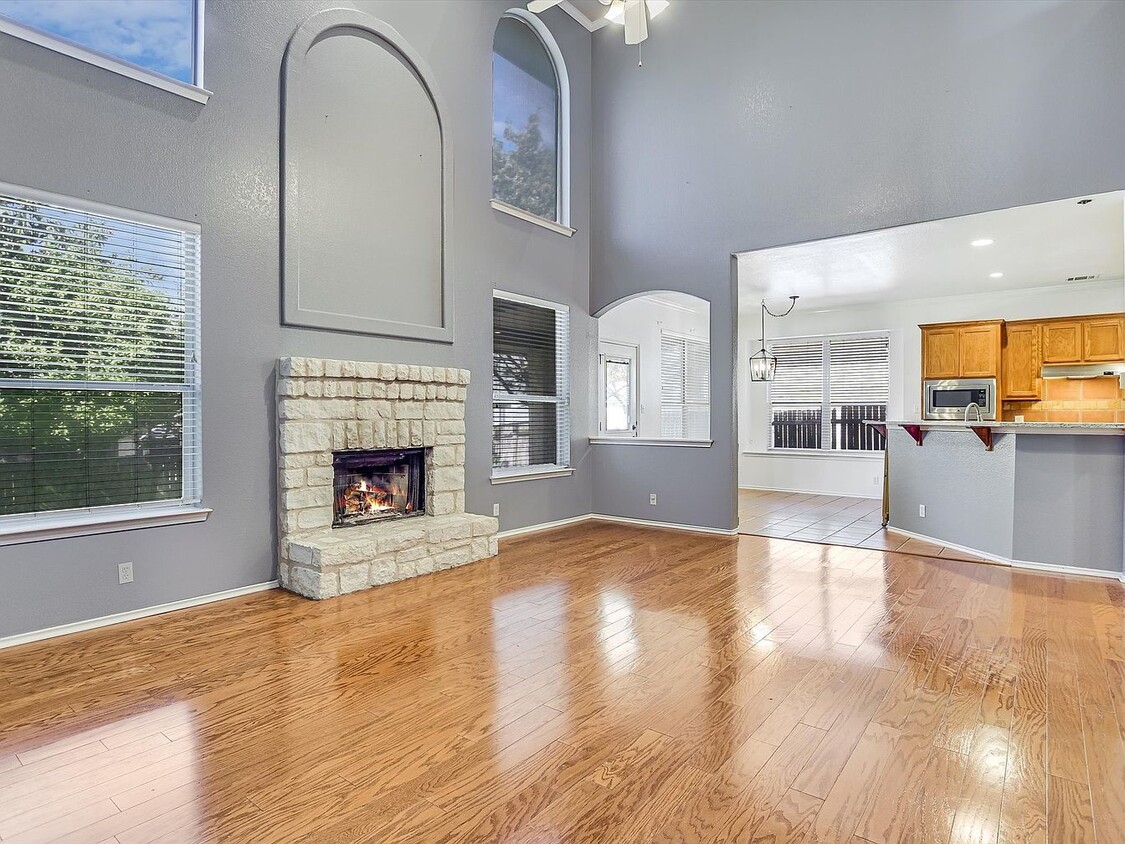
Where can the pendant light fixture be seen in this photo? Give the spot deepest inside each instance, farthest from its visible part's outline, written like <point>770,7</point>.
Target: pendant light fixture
<point>763,365</point>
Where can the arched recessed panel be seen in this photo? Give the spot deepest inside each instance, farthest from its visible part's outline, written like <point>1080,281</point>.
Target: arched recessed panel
<point>366,181</point>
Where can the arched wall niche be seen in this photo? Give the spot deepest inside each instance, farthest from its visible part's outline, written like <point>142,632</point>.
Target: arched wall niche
<point>367,177</point>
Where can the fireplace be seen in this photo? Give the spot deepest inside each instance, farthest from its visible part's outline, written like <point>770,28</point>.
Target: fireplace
<point>371,486</point>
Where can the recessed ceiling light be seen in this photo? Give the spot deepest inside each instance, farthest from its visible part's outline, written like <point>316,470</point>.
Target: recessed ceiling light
<point>984,241</point>
<point>995,275</point>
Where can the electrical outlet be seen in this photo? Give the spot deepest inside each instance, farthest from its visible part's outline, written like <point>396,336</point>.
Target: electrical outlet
<point>496,509</point>
<point>124,572</point>
<point>875,480</point>
<point>922,511</point>
<point>652,498</point>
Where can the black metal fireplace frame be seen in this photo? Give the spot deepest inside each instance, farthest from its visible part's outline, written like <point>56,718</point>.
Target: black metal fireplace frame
<point>372,460</point>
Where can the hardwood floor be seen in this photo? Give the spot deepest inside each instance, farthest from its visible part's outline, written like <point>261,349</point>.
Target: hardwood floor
<point>831,520</point>
<point>597,683</point>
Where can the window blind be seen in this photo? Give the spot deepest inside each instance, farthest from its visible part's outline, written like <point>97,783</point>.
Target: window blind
<point>825,387</point>
<point>685,387</point>
<point>99,359</point>
<point>530,384</point>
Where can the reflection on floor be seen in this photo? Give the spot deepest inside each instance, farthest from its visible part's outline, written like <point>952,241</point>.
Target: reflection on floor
<point>597,684</point>
<point>830,520</point>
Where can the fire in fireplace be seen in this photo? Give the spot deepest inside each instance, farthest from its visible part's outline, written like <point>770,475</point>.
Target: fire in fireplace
<point>373,485</point>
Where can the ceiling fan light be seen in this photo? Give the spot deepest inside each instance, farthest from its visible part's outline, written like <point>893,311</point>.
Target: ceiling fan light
<point>616,13</point>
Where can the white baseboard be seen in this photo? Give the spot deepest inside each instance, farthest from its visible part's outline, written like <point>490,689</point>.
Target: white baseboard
<point>1050,568</point>
<point>520,531</point>
<point>131,615</point>
<point>623,520</point>
<point>598,517</point>
<point>810,492</point>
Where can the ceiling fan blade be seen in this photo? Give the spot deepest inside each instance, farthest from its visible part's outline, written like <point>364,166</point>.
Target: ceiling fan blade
<point>636,21</point>
<point>537,6</point>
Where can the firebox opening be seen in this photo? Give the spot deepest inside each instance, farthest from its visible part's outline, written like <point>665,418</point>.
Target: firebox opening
<point>370,486</point>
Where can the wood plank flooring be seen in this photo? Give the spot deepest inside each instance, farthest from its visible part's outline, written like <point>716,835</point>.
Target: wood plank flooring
<point>598,683</point>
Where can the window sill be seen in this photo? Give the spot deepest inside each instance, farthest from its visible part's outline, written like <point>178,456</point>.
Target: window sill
<point>532,475</point>
<point>816,453</point>
<point>113,65</point>
<point>47,526</point>
<point>528,217</point>
<point>655,441</point>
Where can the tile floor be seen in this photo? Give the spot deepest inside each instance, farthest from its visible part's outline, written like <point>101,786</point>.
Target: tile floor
<point>830,520</point>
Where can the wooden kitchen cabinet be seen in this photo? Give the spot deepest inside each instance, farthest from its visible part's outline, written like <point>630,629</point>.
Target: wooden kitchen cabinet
<point>1103,339</point>
<point>1021,361</point>
<point>940,358</point>
<point>961,350</point>
<point>1062,341</point>
<point>979,348</point>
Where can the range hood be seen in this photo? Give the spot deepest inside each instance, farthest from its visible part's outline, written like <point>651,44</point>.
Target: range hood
<point>1084,370</point>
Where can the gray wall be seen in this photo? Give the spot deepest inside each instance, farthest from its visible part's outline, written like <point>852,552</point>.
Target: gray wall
<point>757,124</point>
<point>1069,494</point>
<point>85,132</point>
<point>968,491</point>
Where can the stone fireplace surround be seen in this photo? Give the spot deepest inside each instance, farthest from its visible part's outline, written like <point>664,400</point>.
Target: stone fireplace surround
<point>332,405</point>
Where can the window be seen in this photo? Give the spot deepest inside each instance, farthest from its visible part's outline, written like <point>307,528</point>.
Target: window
<point>530,385</point>
<point>824,389</point>
<point>685,387</point>
<point>529,115</point>
<point>99,367</point>
<point>618,381</point>
<point>156,42</point>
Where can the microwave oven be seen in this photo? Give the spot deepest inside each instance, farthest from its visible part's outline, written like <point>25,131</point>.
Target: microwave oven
<point>948,398</point>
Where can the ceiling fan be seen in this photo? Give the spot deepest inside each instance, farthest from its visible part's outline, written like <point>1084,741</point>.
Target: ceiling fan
<point>635,14</point>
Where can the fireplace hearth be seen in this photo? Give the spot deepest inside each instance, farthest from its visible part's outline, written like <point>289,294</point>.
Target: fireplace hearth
<point>370,486</point>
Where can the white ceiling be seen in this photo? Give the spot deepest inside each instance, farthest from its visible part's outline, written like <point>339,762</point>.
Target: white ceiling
<point>589,13</point>
<point>1033,246</point>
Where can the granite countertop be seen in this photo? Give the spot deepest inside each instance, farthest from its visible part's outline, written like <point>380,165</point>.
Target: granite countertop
<point>1001,427</point>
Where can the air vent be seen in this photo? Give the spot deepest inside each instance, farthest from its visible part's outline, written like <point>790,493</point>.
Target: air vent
<point>1075,278</point>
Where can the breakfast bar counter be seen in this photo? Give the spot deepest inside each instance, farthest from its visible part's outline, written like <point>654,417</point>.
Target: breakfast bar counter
<point>1042,494</point>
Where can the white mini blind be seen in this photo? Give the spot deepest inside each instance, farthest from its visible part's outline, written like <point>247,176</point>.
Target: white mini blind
<point>530,384</point>
<point>824,389</point>
<point>99,358</point>
<point>685,387</point>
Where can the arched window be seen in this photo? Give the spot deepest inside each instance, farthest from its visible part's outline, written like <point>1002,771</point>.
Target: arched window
<point>530,105</point>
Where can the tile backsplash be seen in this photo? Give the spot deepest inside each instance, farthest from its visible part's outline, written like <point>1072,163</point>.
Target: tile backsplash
<point>1066,400</point>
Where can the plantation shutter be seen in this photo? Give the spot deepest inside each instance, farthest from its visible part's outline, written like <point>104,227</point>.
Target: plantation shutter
<point>530,384</point>
<point>685,387</point>
<point>99,363</point>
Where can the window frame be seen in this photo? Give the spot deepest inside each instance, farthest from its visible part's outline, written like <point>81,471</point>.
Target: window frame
<point>18,528</point>
<point>705,342</point>
<point>561,466</point>
<point>630,353</point>
<point>561,223</point>
<point>64,46</point>
<point>825,397</point>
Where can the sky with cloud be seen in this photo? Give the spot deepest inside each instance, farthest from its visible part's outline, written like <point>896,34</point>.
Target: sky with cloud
<point>156,34</point>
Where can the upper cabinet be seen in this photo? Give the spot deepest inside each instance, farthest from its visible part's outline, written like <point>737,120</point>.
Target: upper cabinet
<point>961,350</point>
<point>1062,341</point>
<point>1103,338</point>
<point>1092,339</point>
<point>1014,352</point>
<point>1022,360</point>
